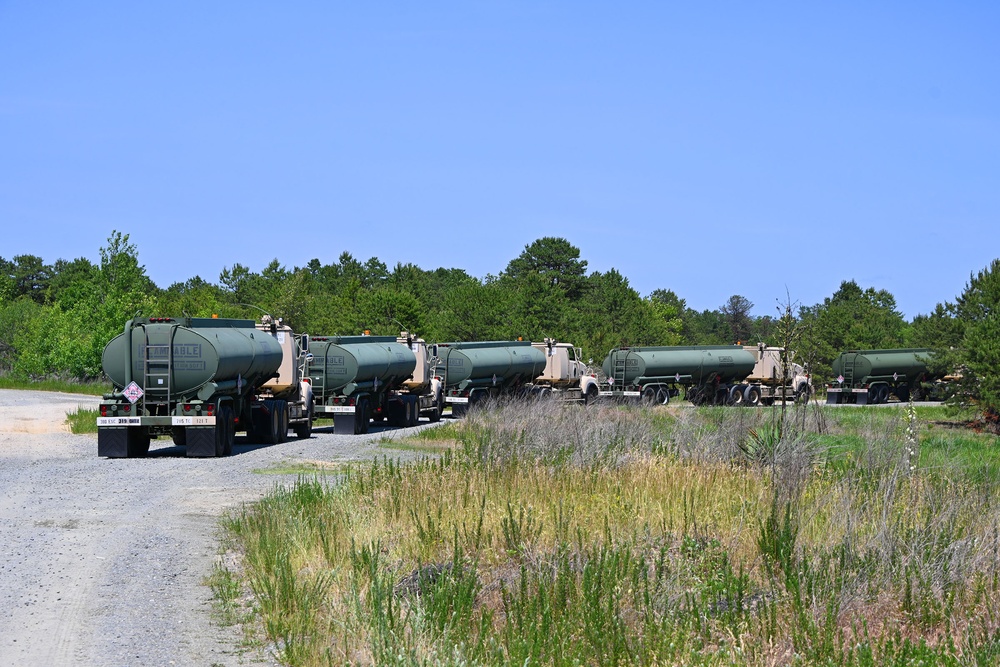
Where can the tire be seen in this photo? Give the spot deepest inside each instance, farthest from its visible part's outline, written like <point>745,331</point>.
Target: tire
<point>803,394</point>
<point>224,429</point>
<point>751,395</point>
<point>591,394</point>
<point>649,396</point>
<point>435,414</point>
<point>412,410</point>
<point>304,431</point>
<point>662,396</point>
<point>230,439</point>
<point>179,435</point>
<point>282,410</point>
<point>736,394</point>
<point>361,417</point>
<point>903,393</point>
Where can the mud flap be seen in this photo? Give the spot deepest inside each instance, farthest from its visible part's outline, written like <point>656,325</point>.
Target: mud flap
<point>343,424</point>
<point>200,441</point>
<point>112,442</point>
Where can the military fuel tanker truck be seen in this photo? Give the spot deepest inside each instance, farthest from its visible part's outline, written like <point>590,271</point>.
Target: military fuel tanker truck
<point>200,380</point>
<point>873,376</point>
<point>565,376</point>
<point>359,378</point>
<point>708,374</point>
<point>769,381</point>
<point>473,372</point>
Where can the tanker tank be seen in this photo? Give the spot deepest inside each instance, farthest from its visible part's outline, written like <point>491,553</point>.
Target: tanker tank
<point>654,373</point>
<point>473,372</point>
<point>197,380</point>
<point>342,365</point>
<point>191,357</point>
<point>872,376</point>
<point>495,364</point>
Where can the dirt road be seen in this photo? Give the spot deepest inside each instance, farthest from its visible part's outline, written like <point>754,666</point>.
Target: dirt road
<point>103,562</point>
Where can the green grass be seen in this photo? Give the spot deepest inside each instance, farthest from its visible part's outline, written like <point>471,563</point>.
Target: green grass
<point>614,536</point>
<point>89,388</point>
<point>82,420</point>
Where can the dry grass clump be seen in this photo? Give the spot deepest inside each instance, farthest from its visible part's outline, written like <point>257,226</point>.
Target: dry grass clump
<point>562,536</point>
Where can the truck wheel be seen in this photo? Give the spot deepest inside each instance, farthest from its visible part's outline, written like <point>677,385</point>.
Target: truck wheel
<point>227,445</point>
<point>435,414</point>
<point>591,394</point>
<point>662,396</point>
<point>304,431</point>
<point>361,417</point>
<point>224,430</point>
<point>751,395</point>
<point>179,435</point>
<point>736,394</point>
<point>649,396</point>
<point>282,409</point>
<point>903,393</point>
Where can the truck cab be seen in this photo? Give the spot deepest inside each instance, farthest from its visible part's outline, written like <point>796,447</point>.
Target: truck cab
<point>565,369</point>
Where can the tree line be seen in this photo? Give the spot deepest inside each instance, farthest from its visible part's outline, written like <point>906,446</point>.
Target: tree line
<point>55,319</point>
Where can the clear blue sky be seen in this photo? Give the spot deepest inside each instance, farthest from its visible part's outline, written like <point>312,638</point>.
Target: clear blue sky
<point>709,148</point>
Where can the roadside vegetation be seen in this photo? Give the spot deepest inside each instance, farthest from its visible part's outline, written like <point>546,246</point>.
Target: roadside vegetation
<point>634,536</point>
<point>66,386</point>
<point>82,421</point>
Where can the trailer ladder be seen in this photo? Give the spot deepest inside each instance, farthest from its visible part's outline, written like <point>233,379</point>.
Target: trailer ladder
<point>157,370</point>
<point>618,372</point>
<point>318,380</point>
<point>848,371</point>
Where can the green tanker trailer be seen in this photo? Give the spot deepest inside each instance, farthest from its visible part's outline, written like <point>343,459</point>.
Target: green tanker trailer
<point>708,374</point>
<point>200,380</point>
<point>359,378</point>
<point>872,376</point>
<point>473,372</point>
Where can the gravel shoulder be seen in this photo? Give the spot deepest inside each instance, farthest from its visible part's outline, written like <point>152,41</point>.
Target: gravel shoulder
<point>103,562</point>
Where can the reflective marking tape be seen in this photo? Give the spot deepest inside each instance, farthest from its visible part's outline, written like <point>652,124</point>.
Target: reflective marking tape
<point>119,421</point>
<point>192,421</point>
<point>335,409</point>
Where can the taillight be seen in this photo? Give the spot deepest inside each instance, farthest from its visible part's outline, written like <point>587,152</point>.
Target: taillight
<point>211,409</point>
<point>187,407</point>
<point>127,407</point>
<point>104,411</point>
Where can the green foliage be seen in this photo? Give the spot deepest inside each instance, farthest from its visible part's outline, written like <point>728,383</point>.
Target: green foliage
<point>56,319</point>
<point>979,355</point>
<point>852,319</point>
<point>82,420</point>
